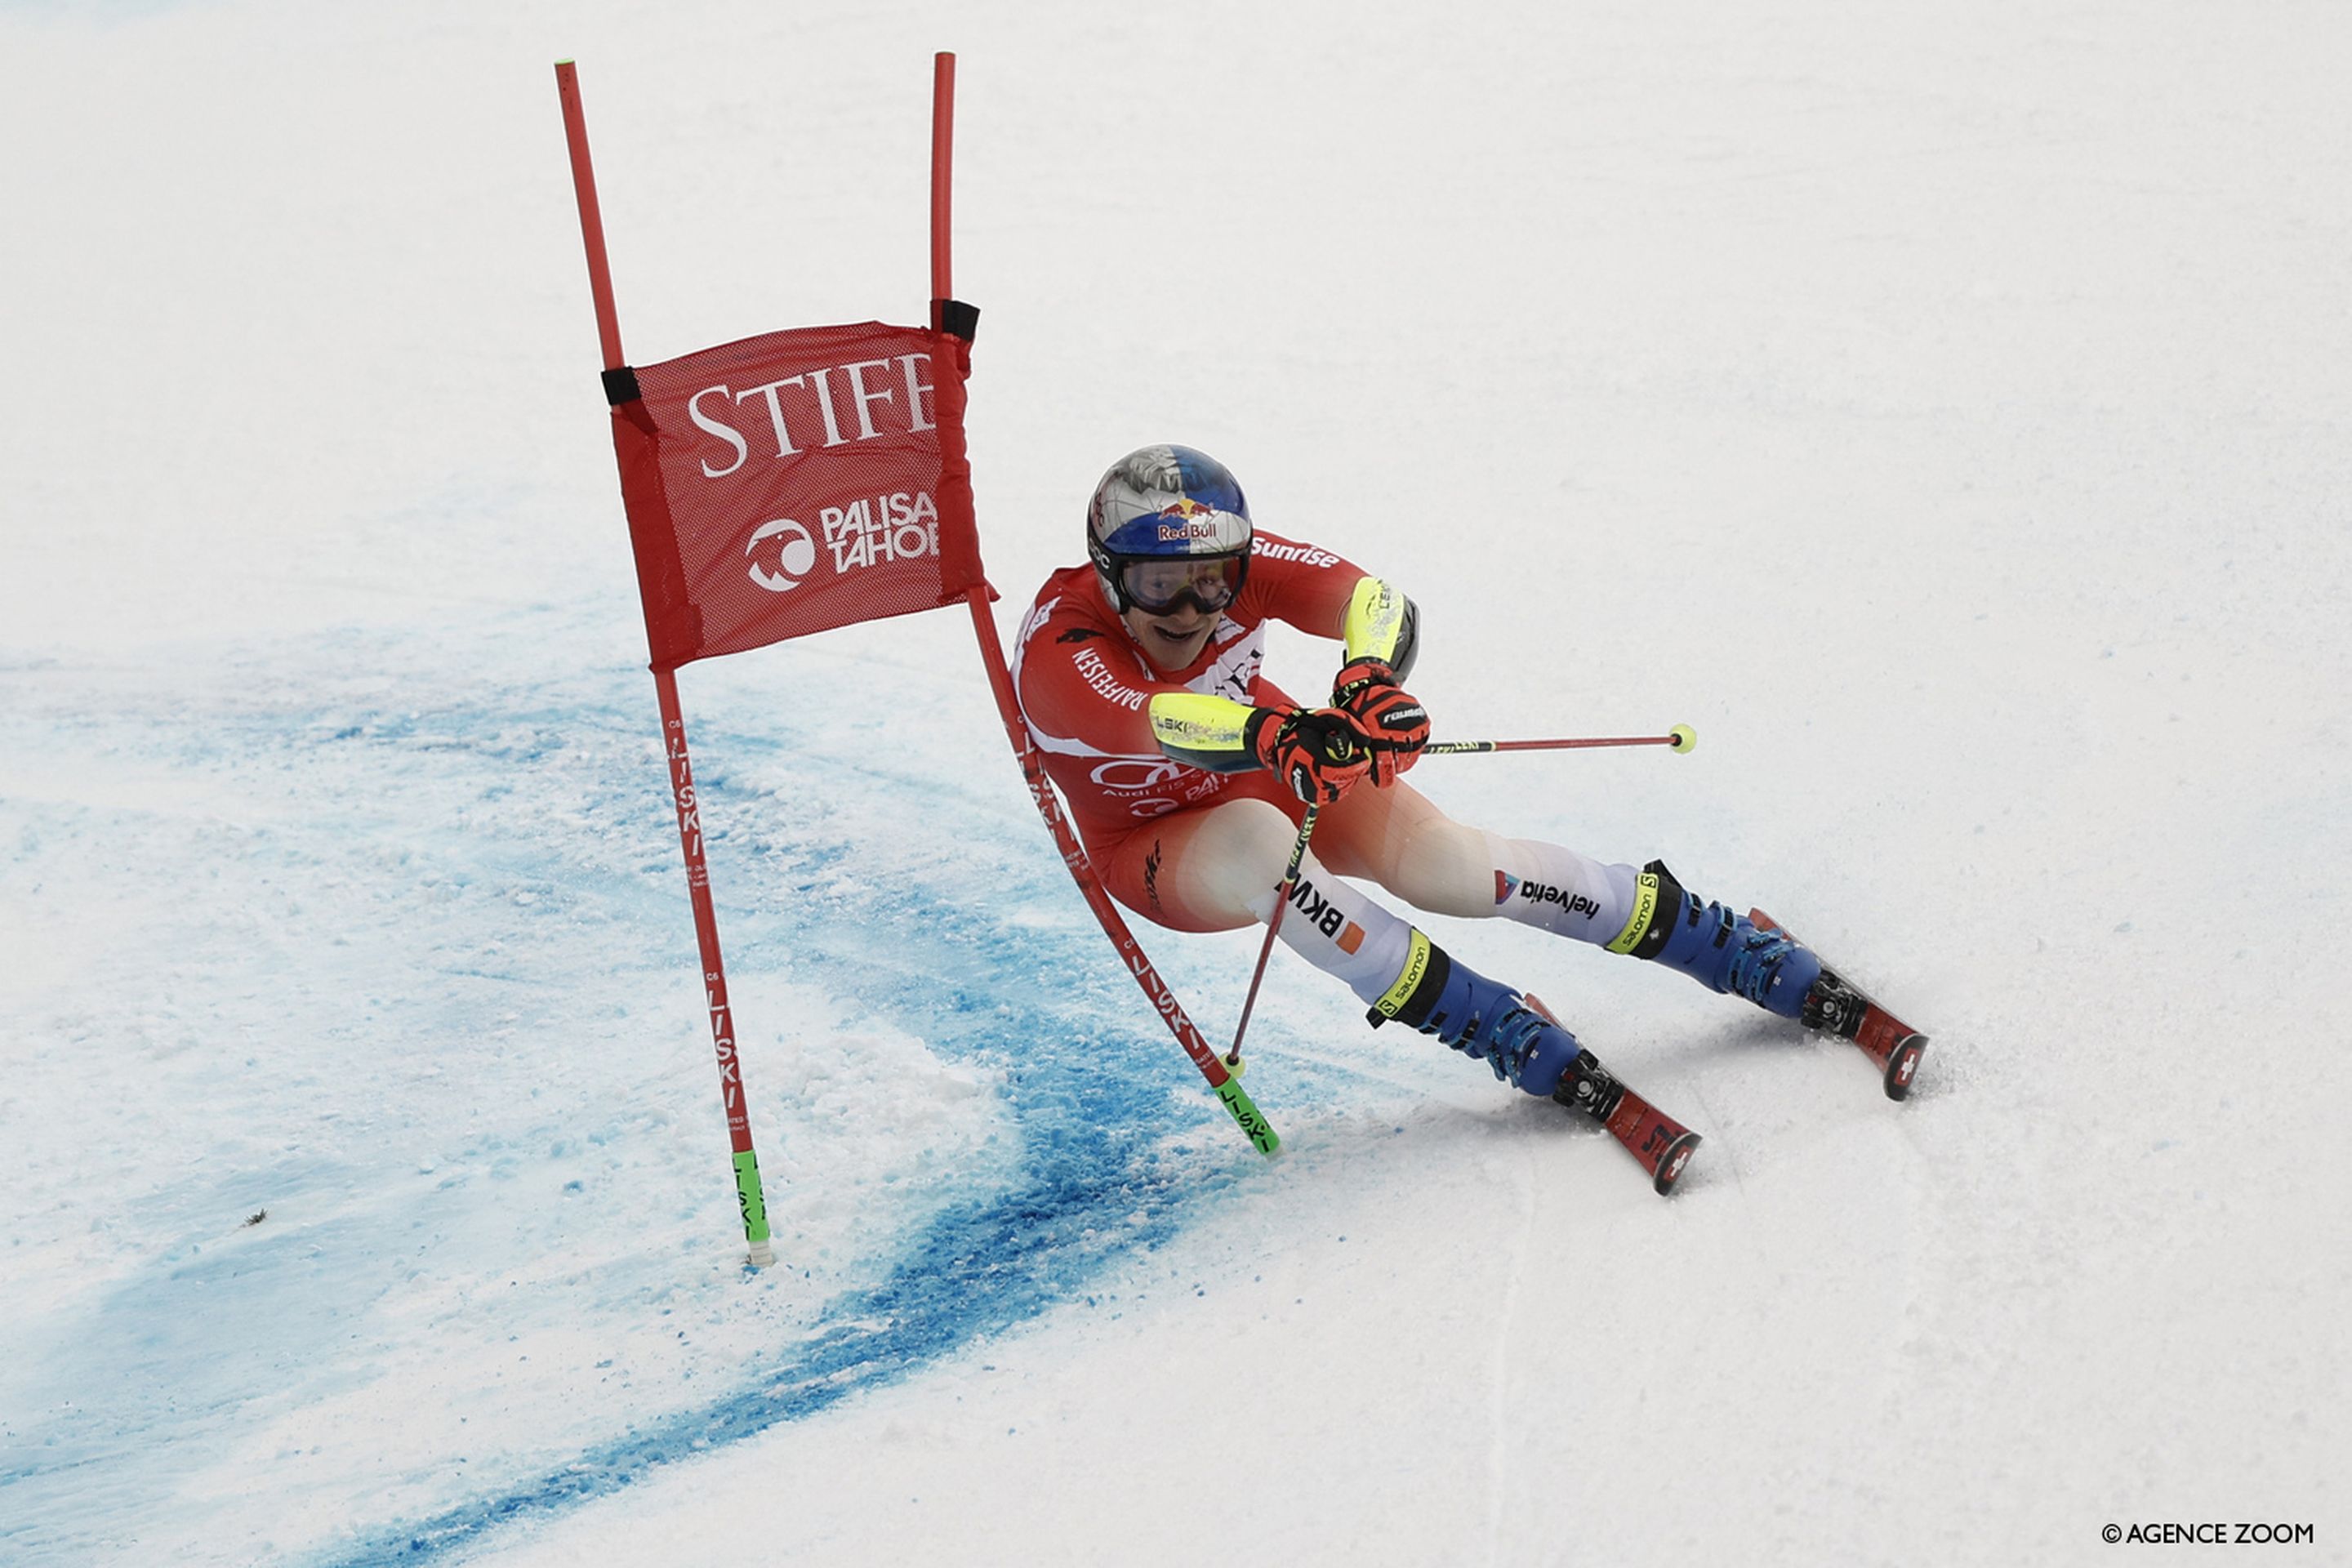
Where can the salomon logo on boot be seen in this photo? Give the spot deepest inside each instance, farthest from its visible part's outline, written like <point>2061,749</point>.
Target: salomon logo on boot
<point>1477,1017</point>
<point>1721,951</point>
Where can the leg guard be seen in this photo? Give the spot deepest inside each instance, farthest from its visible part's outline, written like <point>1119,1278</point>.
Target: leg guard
<point>1479,1017</point>
<point>1721,951</point>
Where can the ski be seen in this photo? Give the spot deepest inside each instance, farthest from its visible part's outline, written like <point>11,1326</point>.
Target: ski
<point>1836,1005</point>
<point>1661,1145</point>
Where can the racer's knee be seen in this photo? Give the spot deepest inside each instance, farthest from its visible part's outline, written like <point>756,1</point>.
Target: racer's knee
<point>1204,870</point>
<point>1254,831</point>
<point>1444,866</point>
<point>1239,855</point>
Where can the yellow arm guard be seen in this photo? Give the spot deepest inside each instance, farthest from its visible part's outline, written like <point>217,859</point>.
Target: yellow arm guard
<point>1382,623</point>
<point>1203,731</point>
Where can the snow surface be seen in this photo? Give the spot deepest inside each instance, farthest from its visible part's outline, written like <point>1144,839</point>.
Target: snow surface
<point>1942,408</point>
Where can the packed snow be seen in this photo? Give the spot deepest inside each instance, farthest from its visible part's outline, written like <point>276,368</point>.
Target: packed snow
<point>1941,409</point>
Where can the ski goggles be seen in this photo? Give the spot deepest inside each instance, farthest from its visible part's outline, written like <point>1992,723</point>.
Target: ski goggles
<point>1157,585</point>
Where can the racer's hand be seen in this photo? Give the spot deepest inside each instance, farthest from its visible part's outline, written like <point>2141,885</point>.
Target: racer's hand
<point>1394,725</point>
<point>1320,753</point>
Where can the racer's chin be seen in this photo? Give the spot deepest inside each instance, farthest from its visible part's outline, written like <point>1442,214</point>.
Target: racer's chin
<point>1172,642</point>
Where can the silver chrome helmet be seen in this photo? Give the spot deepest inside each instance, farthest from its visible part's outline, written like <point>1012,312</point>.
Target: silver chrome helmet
<point>1168,523</point>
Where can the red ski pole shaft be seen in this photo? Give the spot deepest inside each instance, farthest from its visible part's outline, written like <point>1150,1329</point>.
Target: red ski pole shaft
<point>1682,738</point>
<point>942,185</point>
<point>750,1196</point>
<point>591,217</point>
<point>1265,949</point>
<point>1223,1083</point>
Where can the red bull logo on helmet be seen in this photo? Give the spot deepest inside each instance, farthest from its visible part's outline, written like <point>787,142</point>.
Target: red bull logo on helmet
<point>1188,519</point>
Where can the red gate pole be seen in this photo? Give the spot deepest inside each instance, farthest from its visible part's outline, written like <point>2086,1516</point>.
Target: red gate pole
<point>1225,1082</point>
<point>748,1193</point>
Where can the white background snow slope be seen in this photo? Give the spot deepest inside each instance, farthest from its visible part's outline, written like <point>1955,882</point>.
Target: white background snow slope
<point>1941,407</point>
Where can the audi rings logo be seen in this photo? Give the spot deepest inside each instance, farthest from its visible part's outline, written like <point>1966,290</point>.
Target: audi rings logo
<point>1134,773</point>
<point>795,557</point>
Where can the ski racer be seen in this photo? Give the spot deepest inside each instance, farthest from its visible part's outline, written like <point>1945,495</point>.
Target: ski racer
<point>1187,774</point>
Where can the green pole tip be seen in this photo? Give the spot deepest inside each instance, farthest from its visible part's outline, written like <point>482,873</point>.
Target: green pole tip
<point>1684,737</point>
<point>1245,1115</point>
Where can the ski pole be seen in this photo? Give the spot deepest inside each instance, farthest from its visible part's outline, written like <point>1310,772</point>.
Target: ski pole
<point>1281,902</point>
<point>1681,737</point>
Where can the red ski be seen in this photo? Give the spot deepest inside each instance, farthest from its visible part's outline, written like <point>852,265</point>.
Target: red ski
<point>1836,1005</point>
<point>1661,1144</point>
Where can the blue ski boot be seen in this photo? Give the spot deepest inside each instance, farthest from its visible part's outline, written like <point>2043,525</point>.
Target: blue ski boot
<point>1723,951</point>
<point>1479,1018</point>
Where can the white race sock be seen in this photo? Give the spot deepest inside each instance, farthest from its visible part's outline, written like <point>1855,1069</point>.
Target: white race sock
<point>1554,887</point>
<point>1341,933</point>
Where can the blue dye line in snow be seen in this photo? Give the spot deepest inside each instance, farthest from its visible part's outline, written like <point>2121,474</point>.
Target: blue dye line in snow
<point>1091,1190</point>
<point>974,1273</point>
<point>1079,1065</point>
<point>1088,1196</point>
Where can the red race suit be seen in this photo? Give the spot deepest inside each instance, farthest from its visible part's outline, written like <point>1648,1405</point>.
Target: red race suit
<point>1085,687</point>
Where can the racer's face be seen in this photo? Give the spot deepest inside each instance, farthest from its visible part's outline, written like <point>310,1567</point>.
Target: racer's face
<point>1174,603</point>
<point>1174,638</point>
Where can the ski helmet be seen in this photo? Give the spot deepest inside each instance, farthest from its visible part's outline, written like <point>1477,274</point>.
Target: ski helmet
<point>1168,523</point>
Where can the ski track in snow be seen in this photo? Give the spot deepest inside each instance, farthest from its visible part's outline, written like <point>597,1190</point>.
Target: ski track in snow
<point>1497,1394</point>
<point>440,763</point>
